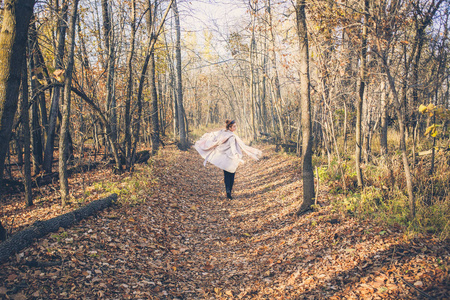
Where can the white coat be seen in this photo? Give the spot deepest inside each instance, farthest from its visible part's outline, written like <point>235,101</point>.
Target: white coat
<point>224,149</point>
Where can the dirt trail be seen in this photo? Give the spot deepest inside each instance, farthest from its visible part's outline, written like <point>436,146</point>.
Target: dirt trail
<point>189,242</point>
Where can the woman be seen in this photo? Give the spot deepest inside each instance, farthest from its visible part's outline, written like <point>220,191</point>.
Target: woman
<point>223,149</point>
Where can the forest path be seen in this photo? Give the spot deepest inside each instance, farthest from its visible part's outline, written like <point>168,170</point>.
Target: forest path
<point>187,241</point>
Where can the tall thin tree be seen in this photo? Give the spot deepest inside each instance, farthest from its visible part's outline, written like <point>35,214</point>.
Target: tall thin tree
<point>150,58</point>
<point>25,116</point>
<point>108,34</point>
<point>360,89</point>
<point>305,98</point>
<point>276,87</point>
<point>127,140</point>
<point>54,108</point>
<point>63,139</point>
<point>181,119</point>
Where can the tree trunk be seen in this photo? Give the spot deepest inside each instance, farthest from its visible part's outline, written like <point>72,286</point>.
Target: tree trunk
<point>40,63</point>
<point>63,138</point>
<point>162,87</point>
<point>264,87</point>
<point>13,37</point>
<point>401,123</point>
<point>127,141</point>
<point>150,57</point>
<point>367,129</point>
<point>152,79</point>
<point>111,111</point>
<point>36,129</point>
<point>252,69</point>
<point>180,109</point>
<point>384,125</point>
<point>415,83</point>
<point>359,104</point>
<point>108,34</point>
<point>308,174</point>
<point>154,111</point>
<point>276,83</point>
<point>26,167</point>
<point>48,154</point>
<point>3,234</point>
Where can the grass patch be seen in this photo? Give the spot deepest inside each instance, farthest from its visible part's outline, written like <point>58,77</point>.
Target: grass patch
<point>132,190</point>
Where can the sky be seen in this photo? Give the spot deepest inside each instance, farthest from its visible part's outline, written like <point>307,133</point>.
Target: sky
<point>218,14</point>
<point>219,17</point>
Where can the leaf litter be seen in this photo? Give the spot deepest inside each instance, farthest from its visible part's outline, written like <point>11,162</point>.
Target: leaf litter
<point>187,241</point>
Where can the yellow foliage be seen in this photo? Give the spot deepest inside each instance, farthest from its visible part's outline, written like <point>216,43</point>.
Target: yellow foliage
<point>59,75</point>
<point>422,109</point>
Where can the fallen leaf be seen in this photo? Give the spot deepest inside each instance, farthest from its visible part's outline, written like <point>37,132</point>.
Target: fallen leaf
<point>3,290</point>
<point>19,296</point>
<point>12,277</point>
<point>418,284</point>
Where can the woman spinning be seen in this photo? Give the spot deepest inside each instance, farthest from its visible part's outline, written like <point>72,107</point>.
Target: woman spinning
<point>224,149</point>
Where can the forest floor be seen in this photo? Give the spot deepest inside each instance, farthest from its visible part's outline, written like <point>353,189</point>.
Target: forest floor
<point>187,241</point>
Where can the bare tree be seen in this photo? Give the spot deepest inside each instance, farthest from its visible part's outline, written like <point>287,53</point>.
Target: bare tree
<point>54,109</point>
<point>63,139</point>
<point>181,114</point>
<point>127,141</point>
<point>108,34</point>
<point>275,78</point>
<point>361,93</point>
<point>25,116</point>
<point>150,58</point>
<point>305,98</point>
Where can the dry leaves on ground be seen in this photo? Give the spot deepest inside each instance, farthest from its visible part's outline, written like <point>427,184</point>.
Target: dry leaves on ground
<point>187,241</point>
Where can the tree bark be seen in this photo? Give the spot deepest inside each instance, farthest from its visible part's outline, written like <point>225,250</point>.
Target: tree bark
<point>13,38</point>
<point>264,86</point>
<point>26,167</point>
<point>36,129</point>
<point>384,125</point>
<point>108,34</point>
<point>154,111</point>
<point>252,69</point>
<point>180,109</point>
<point>54,109</point>
<point>305,98</point>
<point>26,237</point>
<point>40,63</point>
<point>276,80</point>
<point>153,91</point>
<point>401,123</point>
<point>150,58</point>
<point>359,104</point>
<point>127,141</point>
<point>63,138</point>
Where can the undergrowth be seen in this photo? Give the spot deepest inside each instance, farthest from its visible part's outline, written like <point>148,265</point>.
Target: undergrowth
<point>384,198</point>
<point>133,189</point>
<point>197,132</point>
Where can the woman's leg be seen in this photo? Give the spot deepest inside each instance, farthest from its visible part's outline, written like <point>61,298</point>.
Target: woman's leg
<point>228,182</point>
<point>231,181</point>
<point>225,179</point>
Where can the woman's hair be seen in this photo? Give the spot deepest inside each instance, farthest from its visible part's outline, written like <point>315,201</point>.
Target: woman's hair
<point>229,123</point>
